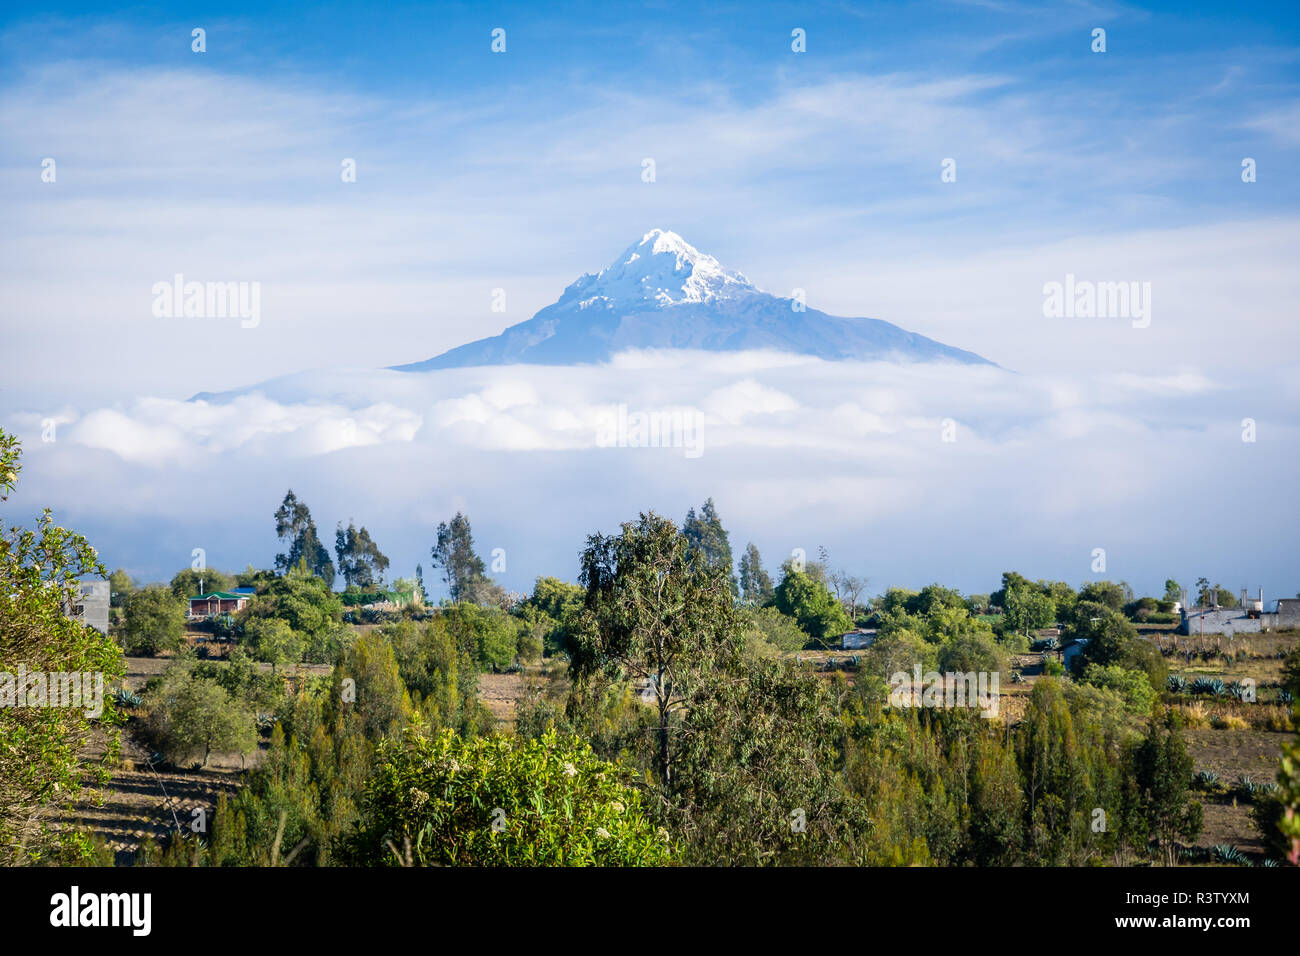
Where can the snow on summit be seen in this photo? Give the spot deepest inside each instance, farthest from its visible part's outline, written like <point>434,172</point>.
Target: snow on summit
<point>663,293</point>
<point>660,270</point>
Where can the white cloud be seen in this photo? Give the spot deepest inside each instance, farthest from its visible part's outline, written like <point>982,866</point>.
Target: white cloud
<point>846,454</point>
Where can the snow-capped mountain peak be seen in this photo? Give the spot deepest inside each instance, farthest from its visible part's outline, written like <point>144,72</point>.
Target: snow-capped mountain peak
<point>660,270</point>
<point>663,293</point>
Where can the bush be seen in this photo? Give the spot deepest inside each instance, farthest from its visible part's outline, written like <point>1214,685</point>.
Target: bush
<point>1133,686</point>
<point>271,640</point>
<point>767,627</point>
<point>303,601</point>
<point>808,601</point>
<point>155,621</point>
<point>192,716</point>
<point>488,635</point>
<point>970,653</point>
<point>495,801</point>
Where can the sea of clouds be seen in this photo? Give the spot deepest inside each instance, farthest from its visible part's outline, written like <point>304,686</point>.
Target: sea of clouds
<point>906,472</point>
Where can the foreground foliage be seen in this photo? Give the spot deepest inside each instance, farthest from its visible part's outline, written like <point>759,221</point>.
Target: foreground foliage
<point>492,801</point>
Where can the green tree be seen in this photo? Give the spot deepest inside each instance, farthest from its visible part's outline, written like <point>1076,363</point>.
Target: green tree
<point>766,627</point>
<point>755,583</point>
<point>812,605</point>
<point>193,715</point>
<point>300,599</point>
<point>1132,685</point>
<point>757,780</point>
<point>45,752</point>
<point>1027,608</point>
<point>1011,581</point>
<point>1162,772</point>
<point>1106,593</point>
<point>272,640</point>
<point>368,686</point>
<point>191,583</point>
<point>120,587</point>
<point>1053,766</point>
<point>548,611</point>
<point>296,529</point>
<point>709,540</point>
<point>969,654</point>
<point>361,562</point>
<point>154,621</point>
<point>1288,779</point>
<point>462,569</point>
<point>252,577</point>
<point>442,677</point>
<point>488,635</point>
<point>1208,595</point>
<point>655,615</point>
<point>1112,639</point>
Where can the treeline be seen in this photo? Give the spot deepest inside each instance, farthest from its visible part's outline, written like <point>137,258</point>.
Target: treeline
<point>666,725</point>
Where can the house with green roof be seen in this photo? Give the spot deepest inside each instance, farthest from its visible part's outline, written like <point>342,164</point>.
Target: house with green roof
<point>217,602</point>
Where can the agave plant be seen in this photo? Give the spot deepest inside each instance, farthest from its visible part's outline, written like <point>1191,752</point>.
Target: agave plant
<point>124,698</point>
<point>1189,854</point>
<point>1270,863</point>
<point>1285,697</point>
<point>1228,855</point>
<point>1207,779</point>
<point>1177,683</point>
<point>1209,685</point>
<point>1238,690</point>
<point>1249,788</point>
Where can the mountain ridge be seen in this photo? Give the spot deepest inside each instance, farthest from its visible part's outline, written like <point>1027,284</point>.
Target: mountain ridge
<point>662,292</point>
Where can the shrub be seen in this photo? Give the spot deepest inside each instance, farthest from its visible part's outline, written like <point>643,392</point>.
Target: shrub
<point>1228,722</point>
<point>766,626</point>
<point>1131,685</point>
<point>154,621</point>
<point>1228,855</point>
<point>495,801</point>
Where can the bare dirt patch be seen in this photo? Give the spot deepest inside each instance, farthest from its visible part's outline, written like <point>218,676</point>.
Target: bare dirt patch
<point>140,803</point>
<point>501,694</point>
<point>1232,754</point>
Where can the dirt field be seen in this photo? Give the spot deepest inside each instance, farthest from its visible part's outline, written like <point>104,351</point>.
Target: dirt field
<point>139,803</point>
<point>1230,754</point>
<point>501,693</point>
<point>139,670</point>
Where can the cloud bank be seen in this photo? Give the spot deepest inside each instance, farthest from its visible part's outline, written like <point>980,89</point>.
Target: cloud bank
<point>907,472</point>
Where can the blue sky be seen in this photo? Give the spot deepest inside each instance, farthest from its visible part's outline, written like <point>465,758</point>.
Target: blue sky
<point>521,170</point>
